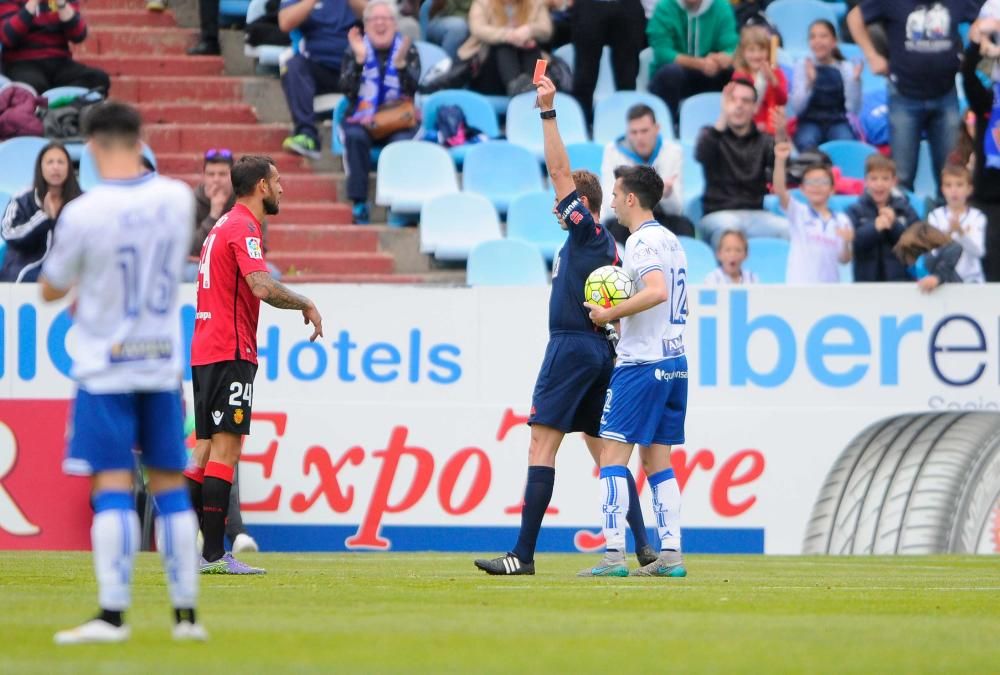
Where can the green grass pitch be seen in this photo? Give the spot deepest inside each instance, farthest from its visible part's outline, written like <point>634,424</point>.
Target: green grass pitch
<point>435,613</point>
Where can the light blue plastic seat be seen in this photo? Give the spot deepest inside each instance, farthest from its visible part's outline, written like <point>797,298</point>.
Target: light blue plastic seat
<point>424,17</point>
<point>500,171</point>
<point>59,92</point>
<point>233,10</point>
<point>924,183</point>
<point>411,173</point>
<point>17,162</point>
<point>692,174</point>
<point>266,55</point>
<point>849,156</point>
<point>524,127</point>
<point>768,258</point>
<point>698,111</point>
<point>609,114</point>
<point>605,86</point>
<point>530,219</point>
<point>478,111</point>
<point>337,138</point>
<point>918,203</point>
<point>792,19</point>
<point>88,176</point>
<point>506,262</point>
<point>430,54</point>
<point>700,258</point>
<point>4,200</point>
<point>451,225</point>
<point>694,209</point>
<point>645,63</point>
<point>587,156</point>
<point>840,203</point>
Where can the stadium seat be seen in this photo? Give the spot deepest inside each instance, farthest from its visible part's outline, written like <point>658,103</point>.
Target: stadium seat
<point>412,172</point>
<point>700,258</point>
<point>4,199</point>
<point>694,209</point>
<point>530,219</point>
<point>645,63</point>
<point>17,162</point>
<point>919,203</point>
<point>60,92</point>
<point>768,259</point>
<point>605,86</point>
<point>451,225</point>
<point>478,111</point>
<point>609,115</point>
<point>506,262</point>
<point>424,16</point>
<point>692,174</point>
<point>337,141</point>
<point>847,273</point>
<point>586,156</point>
<point>792,19</point>
<point>233,11</point>
<point>698,111</point>
<point>840,203</point>
<point>924,183</point>
<point>430,54</point>
<point>88,169</point>
<point>4,81</point>
<point>266,55</point>
<point>849,156</point>
<point>525,128</point>
<point>500,171</point>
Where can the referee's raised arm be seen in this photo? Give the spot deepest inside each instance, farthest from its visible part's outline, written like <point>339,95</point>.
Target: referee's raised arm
<point>556,158</point>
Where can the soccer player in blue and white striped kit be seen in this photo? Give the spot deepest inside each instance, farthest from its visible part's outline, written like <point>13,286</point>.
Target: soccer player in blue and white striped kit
<point>123,246</point>
<point>647,399</point>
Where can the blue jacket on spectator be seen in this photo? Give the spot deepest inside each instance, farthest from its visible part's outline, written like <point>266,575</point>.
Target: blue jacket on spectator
<point>27,229</point>
<point>873,256</point>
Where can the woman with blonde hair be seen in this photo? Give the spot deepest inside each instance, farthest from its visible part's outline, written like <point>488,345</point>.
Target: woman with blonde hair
<point>505,35</point>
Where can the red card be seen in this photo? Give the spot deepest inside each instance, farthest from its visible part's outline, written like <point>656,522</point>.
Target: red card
<point>540,66</point>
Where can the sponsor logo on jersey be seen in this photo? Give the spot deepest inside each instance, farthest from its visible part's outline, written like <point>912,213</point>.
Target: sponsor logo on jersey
<point>570,208</point>
<point>253,248</point>
<point>238,416</point>
<point>576,217</point>
<point>217,417</point>
<point>141,350</point>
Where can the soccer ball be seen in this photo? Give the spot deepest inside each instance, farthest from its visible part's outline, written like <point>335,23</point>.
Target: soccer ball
<point>607,286</point>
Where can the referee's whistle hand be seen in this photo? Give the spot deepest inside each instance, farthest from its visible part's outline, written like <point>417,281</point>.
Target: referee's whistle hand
<point>311,316</point>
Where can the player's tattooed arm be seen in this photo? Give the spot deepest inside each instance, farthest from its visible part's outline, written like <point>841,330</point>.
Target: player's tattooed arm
<point>276,294</point>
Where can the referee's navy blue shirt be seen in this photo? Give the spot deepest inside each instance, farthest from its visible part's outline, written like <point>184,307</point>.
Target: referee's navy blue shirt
<point>588,246</point>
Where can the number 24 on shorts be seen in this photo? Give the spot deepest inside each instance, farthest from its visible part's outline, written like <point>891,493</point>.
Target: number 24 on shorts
<point>238,391</point>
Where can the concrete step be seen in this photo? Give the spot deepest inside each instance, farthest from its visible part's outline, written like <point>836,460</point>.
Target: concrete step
<point>136,41</point>
<point>155,66</point>
<point>194,113</point>
<point>101,18</point>
<point>240,138</point>
<point>134,5</point>
<point>180,164</point>
<point>322,238</point>
<point>177,89</point>
<point>298,187</point>
<point>338,263</point>
<point>312,213</point>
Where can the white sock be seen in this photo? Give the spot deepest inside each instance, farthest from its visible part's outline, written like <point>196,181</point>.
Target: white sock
<point>177,529</point>
<point>615,506</point>
<point>114,536</point>
<point>667,507</point>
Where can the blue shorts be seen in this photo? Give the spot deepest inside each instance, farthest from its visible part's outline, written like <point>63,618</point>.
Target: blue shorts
<point>646,403</point>
<point>569,391</point>
<point>106,428</point>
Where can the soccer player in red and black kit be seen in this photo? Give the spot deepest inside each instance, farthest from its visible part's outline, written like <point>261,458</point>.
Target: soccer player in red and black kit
<point>232,280</point>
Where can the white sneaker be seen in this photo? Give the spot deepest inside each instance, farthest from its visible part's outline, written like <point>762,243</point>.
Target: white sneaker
<point>185,631</point>
<point>94,630</point>
<point>244,543</point>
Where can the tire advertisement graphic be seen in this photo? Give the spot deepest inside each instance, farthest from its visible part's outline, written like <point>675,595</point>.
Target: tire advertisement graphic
<point>913,484</point>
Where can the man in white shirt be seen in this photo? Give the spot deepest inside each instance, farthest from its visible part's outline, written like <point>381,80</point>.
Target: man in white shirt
<point>123,246</point>
<point>646,401</point>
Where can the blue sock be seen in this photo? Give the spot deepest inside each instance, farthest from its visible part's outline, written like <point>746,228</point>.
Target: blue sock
<point>537,493</point>
<point>634,515</point>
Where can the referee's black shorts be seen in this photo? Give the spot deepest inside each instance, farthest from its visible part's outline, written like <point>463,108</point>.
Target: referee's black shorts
<point>223,397</point>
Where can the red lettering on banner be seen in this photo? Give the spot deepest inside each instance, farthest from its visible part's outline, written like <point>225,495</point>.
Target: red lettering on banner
<point>266,459</point>
<point>510,420</point>
<point>338,500</point>
<point>683,469</point>
<point>727,479</point>
<point>449,476</point>
<point>367,535</point>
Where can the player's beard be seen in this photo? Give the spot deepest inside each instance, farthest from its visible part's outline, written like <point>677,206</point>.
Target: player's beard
<point>271,207</point>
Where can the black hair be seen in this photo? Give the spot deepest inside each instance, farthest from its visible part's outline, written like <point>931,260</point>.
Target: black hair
<point>836,53</point>
<point>745,81</point>
<point>638,111</point>
<point>113,120</point>
<point>248,171</point>
<point>70,189</point>
<point>643,182</point>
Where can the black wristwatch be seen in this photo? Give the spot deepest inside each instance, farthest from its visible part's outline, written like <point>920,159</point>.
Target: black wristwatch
<point>548,114</point>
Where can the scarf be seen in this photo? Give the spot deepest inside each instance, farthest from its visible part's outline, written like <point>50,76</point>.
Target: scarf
<point>991,146</point>
<point>376,90</point>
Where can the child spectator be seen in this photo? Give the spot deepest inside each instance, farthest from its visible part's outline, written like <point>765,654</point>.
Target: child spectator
<point>825,88</point>
<point>964,224</point>
<point>30,218</point>
<point>820,240</point>
<point>879,217</point>
<point>752,61</point>
<point>731,253</point>
<point>929,255</point>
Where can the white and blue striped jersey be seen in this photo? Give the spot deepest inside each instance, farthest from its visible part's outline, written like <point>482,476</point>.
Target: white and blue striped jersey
<point>123,245</point>
<point>658,332</point>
